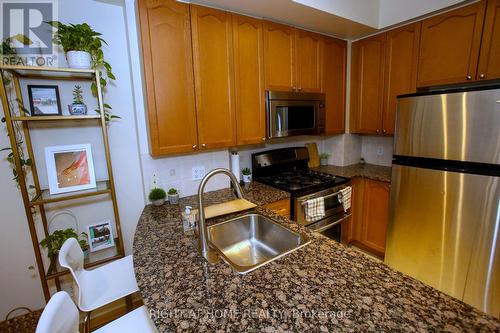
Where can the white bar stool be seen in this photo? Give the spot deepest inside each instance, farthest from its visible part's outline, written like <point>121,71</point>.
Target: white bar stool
<point>61,316</point>
<point>99,286</point>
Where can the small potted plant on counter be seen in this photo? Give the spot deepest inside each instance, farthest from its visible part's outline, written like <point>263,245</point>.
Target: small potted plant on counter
<point>173,196</point>
<point>323,158</point>
<point>54,241</point>
<point>78,107</point>
<point>157,196</point>
<point>247,175</point>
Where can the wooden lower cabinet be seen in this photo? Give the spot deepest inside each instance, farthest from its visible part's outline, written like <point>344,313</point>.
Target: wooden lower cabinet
<point>280,207</point>
<point>370,212</point>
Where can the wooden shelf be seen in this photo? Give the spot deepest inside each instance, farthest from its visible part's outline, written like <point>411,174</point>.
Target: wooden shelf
<point>45,197</point>
<point>56,118</point>
<point>50,73</point>
<point>95,259</point>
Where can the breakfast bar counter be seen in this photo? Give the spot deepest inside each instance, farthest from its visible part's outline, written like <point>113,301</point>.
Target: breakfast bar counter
<point>322,287</point>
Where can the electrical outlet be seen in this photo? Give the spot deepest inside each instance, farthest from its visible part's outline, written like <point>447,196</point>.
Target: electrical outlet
<point>380,150</point>
<point>155,179</point>
<point>198,172</point>
<point>172,172</point>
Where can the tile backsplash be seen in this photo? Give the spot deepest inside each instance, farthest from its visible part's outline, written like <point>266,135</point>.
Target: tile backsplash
<point>377,150</point>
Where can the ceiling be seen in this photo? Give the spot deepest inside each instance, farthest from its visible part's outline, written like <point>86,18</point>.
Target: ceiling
<point>348,19</point>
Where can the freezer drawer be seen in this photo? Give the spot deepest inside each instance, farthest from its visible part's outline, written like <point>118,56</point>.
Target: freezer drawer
<point>461,126</point>
<point>443,230</point>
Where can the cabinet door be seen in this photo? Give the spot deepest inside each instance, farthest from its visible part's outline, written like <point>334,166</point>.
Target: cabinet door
<point>353,232</point>
<point>367,84</point>
<point>249,79</point>
<point>489,59</point>
<point>375,215</point>
<point>449,46</point>
<point>333,84</point>
<point>400,70</point>
<point>213,72</point>
<point>279,56</point>
<point>308,48</point>
<point>166,47</point>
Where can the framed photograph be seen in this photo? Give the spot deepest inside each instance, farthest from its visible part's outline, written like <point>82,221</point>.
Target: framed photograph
<point>44,100</point>
<point>69,168</point>
<point>100,236</point>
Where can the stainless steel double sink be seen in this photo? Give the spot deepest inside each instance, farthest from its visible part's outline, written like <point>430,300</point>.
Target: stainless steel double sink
<point>250,241</point>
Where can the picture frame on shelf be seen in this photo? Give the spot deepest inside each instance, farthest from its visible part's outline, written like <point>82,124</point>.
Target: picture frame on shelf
<point>100,236</point>
<point>70,168</point>
<point>44,100</point>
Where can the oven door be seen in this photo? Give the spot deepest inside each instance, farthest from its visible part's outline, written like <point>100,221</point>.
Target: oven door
<point>288,118</point>
<point>333,207</point>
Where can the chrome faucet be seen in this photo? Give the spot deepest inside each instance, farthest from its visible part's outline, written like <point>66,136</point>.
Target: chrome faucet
<point>203,248</point>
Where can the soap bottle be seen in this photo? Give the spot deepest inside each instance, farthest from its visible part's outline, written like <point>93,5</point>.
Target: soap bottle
<point>188,220</point>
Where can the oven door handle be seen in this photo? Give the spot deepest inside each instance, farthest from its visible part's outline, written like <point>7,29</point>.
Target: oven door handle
<point>328,226</point>
<point>303,202</point>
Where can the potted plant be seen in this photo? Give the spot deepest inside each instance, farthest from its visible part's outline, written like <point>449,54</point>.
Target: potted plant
<point>247,175</point>
<point>323,158</point>
<point>157,196</point>
<point>54,241</point>
<point>78,107</point>
<point>173,196</point>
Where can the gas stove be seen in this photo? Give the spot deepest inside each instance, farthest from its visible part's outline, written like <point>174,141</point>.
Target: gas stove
<point>302,181</point>
<point>287,169</point>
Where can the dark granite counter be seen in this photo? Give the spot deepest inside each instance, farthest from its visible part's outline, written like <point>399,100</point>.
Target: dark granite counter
<point>321,287</point>
<point>371,171</point>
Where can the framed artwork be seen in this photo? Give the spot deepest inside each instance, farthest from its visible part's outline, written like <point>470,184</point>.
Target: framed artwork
<point>69,168</point>
<point>100,236</point>
<point>44,100</point>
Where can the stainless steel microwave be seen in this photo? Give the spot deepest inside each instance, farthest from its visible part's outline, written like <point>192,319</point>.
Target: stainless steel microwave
<point>294,113</point>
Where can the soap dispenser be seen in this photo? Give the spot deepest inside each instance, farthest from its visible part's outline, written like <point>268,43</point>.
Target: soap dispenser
<point>188,220</point>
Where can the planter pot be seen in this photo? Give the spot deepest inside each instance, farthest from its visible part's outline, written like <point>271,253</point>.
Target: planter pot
<point>78,59</point>
<point>158,202</point>
<point>77,109</point>
<point>323,161</point>
<point>173,199</point>
<point>247,178</point>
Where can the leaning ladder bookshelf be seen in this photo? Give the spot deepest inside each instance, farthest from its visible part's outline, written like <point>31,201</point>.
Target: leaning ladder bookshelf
<point>36,203</point>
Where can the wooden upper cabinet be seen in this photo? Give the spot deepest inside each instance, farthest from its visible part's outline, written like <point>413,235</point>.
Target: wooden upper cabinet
<point>489,59</point>
<point>212,35</point>
<point>449,46</point>
<point>367,84</point>
<point>333,84</point>
<point>401,57</point>
<point>375,215</point>
<point>166,46</point>
<point>308,48</point>
<point>249,79</point>
<point>279,43</point>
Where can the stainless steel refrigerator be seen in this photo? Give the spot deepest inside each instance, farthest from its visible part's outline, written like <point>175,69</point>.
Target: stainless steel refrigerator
<point>445,194</point>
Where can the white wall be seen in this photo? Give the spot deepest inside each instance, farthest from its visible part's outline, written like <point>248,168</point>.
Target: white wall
<point>18,287</point>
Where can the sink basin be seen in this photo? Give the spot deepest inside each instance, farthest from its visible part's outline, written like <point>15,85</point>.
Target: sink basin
<point>250,241</point>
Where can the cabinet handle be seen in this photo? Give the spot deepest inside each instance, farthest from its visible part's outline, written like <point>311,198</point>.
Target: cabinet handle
<point>203,145</point>
<point>384,131</point>
<point>377,131</point>
<point>263,139</point>
<point>468,77</point>
<point>194,146</point>
<point>299,89</point>
<point>482,76</point>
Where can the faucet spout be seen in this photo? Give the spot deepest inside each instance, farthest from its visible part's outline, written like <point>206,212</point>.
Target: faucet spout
<point>203,248</point>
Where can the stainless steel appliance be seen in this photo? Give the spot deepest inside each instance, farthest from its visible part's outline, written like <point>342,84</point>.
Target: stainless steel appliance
<point>445,195</point>
<point>294,113</point>
<point>287,170</point>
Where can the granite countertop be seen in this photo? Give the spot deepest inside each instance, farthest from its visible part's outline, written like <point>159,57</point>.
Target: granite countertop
<point>323,286</point>
<point>371,171</point>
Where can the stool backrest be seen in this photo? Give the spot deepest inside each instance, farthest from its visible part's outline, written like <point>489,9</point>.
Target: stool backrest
<point>71,257</point>
<point>59,316</point>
